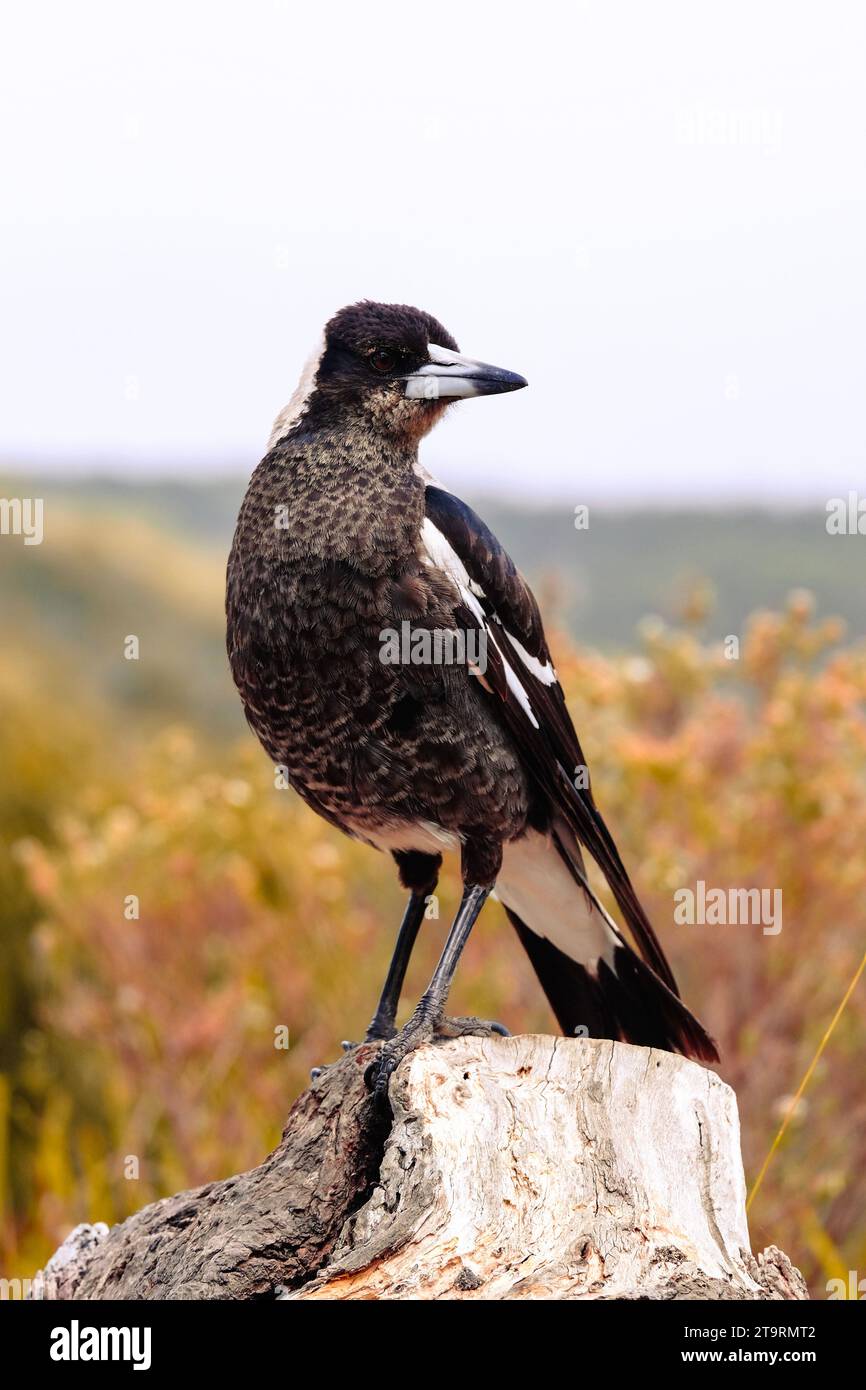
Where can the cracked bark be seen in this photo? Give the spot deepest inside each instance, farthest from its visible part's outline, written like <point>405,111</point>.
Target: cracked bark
<point>528,1167</point>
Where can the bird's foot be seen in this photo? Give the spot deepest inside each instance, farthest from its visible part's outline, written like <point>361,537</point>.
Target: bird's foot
<point>421,1028</point>
<point>469,1027</point>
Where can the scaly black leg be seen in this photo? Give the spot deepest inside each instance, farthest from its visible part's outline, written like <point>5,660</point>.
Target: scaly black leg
<point>431,1007</point>
<point>386,1012</point>
<point>419,872</point>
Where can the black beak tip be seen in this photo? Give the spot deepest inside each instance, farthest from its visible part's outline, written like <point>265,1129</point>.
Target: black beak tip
<point>510,381</point>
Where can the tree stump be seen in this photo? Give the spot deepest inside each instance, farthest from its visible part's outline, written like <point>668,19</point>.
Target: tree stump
<point>526,1167</point>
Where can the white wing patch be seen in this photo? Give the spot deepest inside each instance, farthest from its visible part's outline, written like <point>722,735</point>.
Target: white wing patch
<point>514,684</point>
<point>545,673</point>
<point>441,554</point>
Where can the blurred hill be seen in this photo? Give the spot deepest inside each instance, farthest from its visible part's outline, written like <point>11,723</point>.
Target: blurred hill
<point>119,561</point>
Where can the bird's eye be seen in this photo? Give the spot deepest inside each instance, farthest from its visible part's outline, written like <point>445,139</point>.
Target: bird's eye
<point>382,359</point>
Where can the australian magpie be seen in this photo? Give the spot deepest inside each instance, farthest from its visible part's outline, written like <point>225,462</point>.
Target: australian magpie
<point>344,540</point>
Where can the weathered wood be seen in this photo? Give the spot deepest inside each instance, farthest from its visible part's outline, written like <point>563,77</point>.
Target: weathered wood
<point>244,1237</point>
<point>528,1167</point>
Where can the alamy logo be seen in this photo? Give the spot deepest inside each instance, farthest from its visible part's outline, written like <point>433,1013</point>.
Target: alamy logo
<point>77,1343</point>
<point>846,516</point>
<point>722,907</point>
<point>723,126</point>
<point>22,516</point>
<point>422,646</point>
<point>20,1289</point>
<point>854,1290</point>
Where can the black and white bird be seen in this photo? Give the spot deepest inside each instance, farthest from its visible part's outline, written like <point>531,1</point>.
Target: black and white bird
<point>343,537</point>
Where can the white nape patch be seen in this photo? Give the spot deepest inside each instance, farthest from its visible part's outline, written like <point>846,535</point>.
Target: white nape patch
<point>545,673</point>
<point>536,884</point>
<point>291,413</point>
<point>424,835</point>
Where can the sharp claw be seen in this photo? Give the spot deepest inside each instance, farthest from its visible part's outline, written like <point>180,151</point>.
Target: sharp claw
<point>381,1083</point>
<point>379,1072</point>
<point>346,1045</point>
<point>315,1073</point>
<point>501,1029</point>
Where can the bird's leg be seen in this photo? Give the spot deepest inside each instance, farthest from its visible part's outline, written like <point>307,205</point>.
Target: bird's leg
<point>419,873</point>
<point>429,1014</point>
<point>382,1025</point>
<point>423,1023</point>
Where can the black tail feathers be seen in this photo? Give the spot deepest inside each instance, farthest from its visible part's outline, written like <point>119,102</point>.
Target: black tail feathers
<point>628,1002</point>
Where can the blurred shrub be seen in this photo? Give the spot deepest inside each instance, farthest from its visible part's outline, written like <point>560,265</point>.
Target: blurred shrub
<point>138,1053</point>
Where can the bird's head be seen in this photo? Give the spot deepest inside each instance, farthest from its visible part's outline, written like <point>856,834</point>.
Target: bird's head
<point>392,364</point>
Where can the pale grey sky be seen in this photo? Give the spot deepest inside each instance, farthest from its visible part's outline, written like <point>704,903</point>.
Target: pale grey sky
<point>656,212</point>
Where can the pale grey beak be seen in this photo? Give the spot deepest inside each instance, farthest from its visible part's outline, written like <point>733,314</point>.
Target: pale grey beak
<point>448,374</point>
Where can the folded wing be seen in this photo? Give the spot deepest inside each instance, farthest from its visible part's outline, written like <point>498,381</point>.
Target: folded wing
<point>520,673</point>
